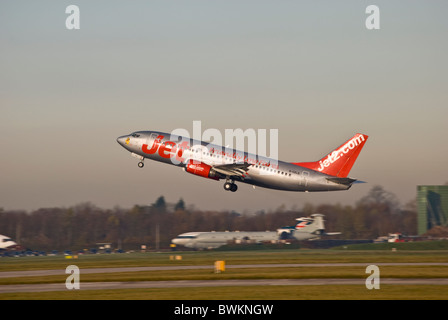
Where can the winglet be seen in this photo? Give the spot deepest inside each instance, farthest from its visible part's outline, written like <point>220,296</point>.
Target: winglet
<point>339,162</point>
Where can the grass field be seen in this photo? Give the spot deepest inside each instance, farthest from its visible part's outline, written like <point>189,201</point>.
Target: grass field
<point>333,292</point>
<point>208,258</point>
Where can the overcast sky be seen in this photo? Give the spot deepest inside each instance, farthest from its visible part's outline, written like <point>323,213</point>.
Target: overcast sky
<point>310,69</point>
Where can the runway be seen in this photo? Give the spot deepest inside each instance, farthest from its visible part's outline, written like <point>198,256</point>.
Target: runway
<point>212,283</point>
<point>35,273</point>
<point>207,283</point>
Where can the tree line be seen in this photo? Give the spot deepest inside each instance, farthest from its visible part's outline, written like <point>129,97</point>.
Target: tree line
<point>83,226</point>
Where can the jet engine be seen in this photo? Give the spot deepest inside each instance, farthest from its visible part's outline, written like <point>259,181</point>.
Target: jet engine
<point>201,169</point>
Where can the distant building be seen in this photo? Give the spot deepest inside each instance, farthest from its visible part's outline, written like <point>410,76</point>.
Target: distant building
<point>432,207</point>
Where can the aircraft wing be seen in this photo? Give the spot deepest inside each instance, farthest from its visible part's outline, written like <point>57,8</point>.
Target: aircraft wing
<point>232,169</point>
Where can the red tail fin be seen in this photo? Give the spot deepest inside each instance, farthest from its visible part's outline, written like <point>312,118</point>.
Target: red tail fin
<point>338,162</point>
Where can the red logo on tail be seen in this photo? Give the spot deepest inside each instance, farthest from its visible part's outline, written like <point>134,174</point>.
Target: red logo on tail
<point>339,162</point>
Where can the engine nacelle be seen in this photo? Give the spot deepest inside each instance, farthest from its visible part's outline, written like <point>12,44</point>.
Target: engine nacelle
<point>201,169</point>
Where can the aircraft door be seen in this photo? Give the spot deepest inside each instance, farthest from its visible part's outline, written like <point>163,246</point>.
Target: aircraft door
<point>150,140</point>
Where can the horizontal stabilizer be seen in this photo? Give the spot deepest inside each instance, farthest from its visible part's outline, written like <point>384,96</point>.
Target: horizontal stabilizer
<point>344,181</point>
<point>331,233</point>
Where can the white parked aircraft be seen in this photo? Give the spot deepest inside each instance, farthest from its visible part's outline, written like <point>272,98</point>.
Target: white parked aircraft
<point>306,228</point>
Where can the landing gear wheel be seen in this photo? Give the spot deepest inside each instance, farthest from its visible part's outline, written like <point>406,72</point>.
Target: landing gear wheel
<point>141,164</point>
<point>230,186</point>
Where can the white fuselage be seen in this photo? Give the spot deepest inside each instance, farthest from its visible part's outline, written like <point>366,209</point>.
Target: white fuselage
<point>209,240</point>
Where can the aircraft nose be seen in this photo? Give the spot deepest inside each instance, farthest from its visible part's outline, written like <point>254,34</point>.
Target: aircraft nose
<point>178,241</point>
<point>122,140</point>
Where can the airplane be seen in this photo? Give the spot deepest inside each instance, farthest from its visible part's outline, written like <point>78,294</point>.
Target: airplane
<point>203,159</point>
<point>306,228</point>
<point>6,243</point>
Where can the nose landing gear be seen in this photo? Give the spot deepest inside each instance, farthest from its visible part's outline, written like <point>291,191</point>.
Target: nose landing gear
<point>139,157</point>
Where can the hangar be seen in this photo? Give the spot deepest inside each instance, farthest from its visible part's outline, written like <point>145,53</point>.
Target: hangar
<point>432,207</point>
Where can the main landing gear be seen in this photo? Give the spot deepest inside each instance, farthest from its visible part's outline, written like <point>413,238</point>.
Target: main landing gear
<point>140,164</point>
<point>230,186</point>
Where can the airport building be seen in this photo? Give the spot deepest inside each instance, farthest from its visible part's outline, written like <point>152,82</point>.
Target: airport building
<point>432,207</point>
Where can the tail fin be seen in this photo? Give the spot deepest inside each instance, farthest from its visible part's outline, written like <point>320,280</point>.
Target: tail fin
<point>313,224</point>
<point>339,162</point>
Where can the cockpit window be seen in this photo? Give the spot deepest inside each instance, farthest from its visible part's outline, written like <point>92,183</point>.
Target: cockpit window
<point>135,135</point>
